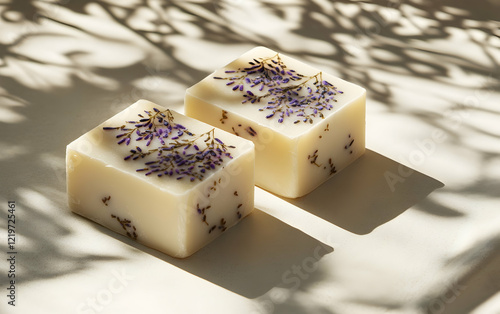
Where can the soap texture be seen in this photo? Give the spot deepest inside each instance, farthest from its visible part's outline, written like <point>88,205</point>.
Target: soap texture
<point>306,125</point>
<point>163,179</point>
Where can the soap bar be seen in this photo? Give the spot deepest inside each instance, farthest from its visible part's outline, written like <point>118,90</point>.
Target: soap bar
<point>163,179</point>
<point>306,125</point>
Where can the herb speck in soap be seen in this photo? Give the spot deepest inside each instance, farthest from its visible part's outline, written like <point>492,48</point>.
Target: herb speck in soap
<point>105,200</point>
<point>127,225</point>
<point>224,116</point>
<point>348,146</point>
<point>251,131</point>
<point>332,166</point>
<point>312,158</point>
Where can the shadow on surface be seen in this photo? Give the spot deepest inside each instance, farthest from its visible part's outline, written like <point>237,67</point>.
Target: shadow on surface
<point>472,290</point>
<point>465,294</point>
<point>250,258</point>
<point>65,90</point>
<point>369,193</point>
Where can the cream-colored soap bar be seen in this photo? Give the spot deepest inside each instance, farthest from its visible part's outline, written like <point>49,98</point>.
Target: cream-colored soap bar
<point>306,125</point>
<point>166,180</point>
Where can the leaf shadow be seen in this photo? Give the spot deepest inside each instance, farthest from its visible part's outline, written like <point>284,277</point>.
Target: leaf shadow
<point>469,291</point>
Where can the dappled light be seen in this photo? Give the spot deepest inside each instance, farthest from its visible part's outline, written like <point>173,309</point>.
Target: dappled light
<point>432,74</point>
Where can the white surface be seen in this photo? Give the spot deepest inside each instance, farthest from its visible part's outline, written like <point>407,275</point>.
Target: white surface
<point>426,242</point>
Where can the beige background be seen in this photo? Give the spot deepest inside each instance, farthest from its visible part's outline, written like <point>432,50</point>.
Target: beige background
<point>412,227</point>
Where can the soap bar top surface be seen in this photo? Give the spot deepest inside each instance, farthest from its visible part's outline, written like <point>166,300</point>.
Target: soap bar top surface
<point>161,146</point>
<point>276,91</point>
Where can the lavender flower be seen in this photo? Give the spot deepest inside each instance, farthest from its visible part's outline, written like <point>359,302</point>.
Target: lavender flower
<point>283,89</point>
<point>172,156</point>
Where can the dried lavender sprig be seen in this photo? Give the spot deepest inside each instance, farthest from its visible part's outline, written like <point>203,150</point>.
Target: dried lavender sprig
<point>173,160</point>
<point>172,157</point>
<point>282,90</point>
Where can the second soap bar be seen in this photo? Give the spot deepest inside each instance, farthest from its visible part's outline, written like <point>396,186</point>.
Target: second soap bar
<point>306,125</point>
